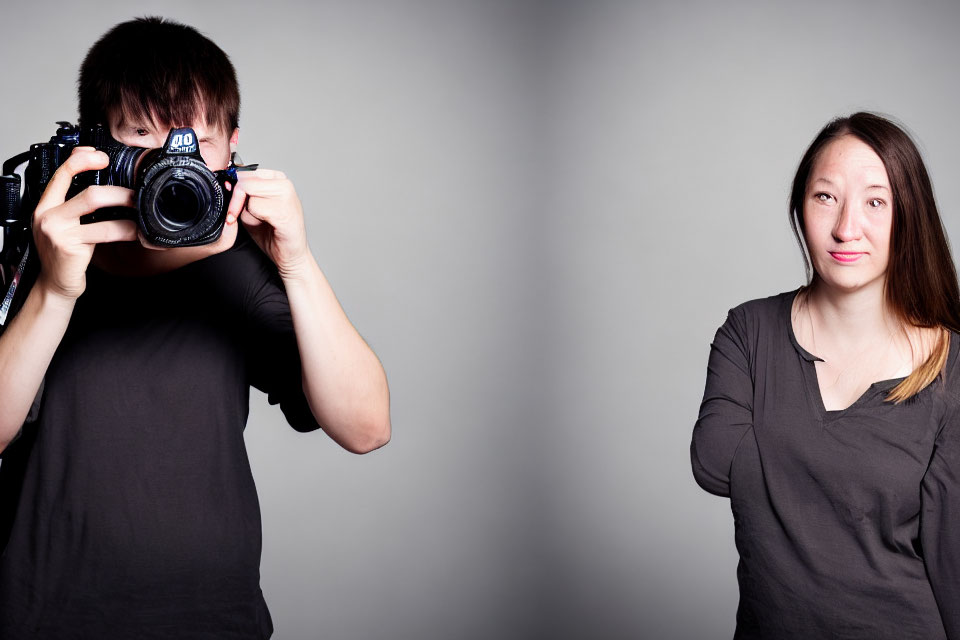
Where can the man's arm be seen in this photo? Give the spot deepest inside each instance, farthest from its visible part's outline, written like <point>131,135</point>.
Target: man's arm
<point>65,248</point>
<point>26,348</point>
<point>343,380</point>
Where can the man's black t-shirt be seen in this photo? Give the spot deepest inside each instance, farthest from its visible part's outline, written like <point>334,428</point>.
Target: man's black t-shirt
<point>138,516</point>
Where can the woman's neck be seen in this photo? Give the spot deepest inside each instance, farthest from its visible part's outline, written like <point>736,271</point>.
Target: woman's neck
<point>851,319</point>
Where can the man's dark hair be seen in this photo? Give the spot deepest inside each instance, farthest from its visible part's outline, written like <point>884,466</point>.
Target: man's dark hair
<point>155,69</point>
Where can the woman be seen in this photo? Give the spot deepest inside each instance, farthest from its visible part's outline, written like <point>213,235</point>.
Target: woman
<point>831,415</point>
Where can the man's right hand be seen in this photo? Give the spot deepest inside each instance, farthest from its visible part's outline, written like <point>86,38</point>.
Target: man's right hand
<point>64,246</point>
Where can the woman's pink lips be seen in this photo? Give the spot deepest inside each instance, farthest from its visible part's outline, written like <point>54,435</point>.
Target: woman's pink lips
<point>846,256</point>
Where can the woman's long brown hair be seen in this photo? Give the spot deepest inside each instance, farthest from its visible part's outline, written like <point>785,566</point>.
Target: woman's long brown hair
<point>921,281</point>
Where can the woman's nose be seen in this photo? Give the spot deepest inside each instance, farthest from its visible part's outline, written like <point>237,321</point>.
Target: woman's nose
<point>848,226</point>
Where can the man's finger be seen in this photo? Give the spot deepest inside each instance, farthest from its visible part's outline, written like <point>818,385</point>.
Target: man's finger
<point>250,220</point>
<point>259,186</point>
<point>97,197</point>
<point>237,200</point>
<point>108,231</point>
<point>263,209</point>
<point>80,160</point>
<point>270,174</point>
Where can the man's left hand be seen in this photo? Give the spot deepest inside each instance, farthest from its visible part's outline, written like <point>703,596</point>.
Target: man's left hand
<point>267,204</point>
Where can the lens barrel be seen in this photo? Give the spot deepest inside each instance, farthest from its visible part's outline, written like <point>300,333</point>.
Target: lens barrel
<point>181,202</point>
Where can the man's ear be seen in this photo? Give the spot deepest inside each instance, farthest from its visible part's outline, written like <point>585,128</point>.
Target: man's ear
<point>234,140</point>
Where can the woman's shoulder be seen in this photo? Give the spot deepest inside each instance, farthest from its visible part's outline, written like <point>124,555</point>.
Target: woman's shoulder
<point>948,389</point>
<point>947,385</point>
<point>951,370</point>
<point>759,321</point>
<point>762,311</point>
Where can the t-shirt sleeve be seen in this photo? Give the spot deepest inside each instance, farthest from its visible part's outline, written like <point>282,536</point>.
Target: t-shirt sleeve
<point>273,358</point>
<point>940,524</point>
<point>726,413</point>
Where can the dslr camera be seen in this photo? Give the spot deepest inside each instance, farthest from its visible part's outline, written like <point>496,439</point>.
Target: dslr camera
<point>180,202</point>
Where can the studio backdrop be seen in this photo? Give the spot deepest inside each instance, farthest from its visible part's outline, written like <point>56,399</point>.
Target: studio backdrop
<point>537,213</point>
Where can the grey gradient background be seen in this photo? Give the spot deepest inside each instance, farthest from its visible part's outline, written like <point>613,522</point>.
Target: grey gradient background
<point>537,213</point>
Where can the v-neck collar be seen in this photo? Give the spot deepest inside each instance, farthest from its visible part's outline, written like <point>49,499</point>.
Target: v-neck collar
<point>812,379</point>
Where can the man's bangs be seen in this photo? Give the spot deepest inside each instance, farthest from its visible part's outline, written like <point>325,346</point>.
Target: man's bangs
<point>174,108</point>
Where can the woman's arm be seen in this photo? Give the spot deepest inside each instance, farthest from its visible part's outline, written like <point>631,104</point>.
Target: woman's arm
<point>940,524</point>
<point>726,412</point>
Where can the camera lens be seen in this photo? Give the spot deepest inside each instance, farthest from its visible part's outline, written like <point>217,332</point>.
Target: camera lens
<point>180,201</point>
<point>178,206</point>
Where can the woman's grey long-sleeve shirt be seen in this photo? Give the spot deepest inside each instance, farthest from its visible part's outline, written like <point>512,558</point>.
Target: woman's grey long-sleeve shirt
<point>847,522</point>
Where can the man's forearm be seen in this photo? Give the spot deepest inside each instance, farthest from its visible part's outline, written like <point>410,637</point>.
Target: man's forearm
<point>343,380</point>
<point>26,349</point>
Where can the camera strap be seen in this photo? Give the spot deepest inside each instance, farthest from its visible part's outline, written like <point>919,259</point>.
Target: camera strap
<point>12,290</point>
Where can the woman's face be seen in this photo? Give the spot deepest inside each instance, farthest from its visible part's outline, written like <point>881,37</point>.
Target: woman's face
<point>847,216</point>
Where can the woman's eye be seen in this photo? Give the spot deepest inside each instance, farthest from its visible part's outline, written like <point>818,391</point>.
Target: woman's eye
<point>875,203</point>
<point>142,132</point>
<point>822,197</point>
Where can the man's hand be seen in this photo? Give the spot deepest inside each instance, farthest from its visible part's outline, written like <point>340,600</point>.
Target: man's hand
<point>268,206</point>
<point>64,246</point>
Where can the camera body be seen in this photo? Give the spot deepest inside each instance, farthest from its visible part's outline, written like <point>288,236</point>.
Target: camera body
<point>180,202</point>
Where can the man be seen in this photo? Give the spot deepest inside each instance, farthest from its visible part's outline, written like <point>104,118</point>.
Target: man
<point>127,372</point>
